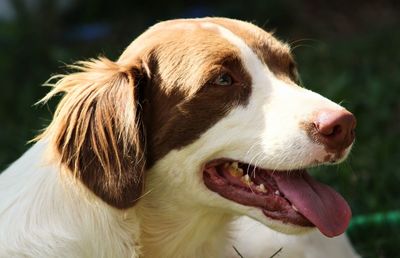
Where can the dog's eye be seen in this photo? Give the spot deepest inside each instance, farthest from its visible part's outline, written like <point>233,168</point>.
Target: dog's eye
<point>223,79</point>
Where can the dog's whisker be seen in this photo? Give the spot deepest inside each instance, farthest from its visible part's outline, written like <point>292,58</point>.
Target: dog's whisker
<point>301,45</point>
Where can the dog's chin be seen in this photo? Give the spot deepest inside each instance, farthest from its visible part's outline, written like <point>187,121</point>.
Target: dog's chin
<point>290,201</point>
<point>277,225</point>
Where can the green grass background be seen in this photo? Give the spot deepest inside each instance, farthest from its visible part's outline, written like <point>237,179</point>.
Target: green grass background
<point>348,52</point>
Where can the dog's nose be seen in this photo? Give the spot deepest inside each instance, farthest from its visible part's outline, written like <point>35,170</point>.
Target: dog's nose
<point>335,128</point>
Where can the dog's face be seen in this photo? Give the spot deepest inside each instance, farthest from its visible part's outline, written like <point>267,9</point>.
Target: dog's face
<point>217,114</point>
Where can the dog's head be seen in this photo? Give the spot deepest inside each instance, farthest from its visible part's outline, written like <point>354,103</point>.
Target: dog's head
<point>211,107</point>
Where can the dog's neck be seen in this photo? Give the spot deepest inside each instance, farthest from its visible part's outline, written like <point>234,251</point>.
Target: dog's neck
<point>172,227</point>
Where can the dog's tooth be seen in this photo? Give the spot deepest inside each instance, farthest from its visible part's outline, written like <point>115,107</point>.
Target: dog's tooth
<point>246,179</point>
<point>236,172</point>
<point>262,188</point>
<point>277,192</point>
<point>294,208</point>
<point>235,165</point>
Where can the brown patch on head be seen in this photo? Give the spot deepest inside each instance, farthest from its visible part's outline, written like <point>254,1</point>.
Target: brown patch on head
<point>182,56</point>
<point>180,100</point>
<point>275,54</point>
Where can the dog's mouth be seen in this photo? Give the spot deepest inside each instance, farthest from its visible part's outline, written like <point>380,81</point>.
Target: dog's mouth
<point>292,197</point>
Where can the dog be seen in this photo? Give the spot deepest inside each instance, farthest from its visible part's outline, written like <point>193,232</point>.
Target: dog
<point>199,122</point>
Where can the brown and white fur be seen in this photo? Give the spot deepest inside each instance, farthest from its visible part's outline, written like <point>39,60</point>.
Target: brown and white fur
<point>118,172</point>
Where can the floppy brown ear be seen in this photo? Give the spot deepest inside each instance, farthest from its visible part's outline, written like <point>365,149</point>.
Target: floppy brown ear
<point>98,132</point>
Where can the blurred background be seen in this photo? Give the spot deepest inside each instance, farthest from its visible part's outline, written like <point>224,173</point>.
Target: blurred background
<point>346,50</point>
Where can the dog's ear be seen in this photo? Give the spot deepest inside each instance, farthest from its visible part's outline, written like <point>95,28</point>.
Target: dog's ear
<point>97,129</point>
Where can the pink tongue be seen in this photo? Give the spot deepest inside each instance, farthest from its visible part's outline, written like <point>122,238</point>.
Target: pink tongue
<point>319,203</point>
